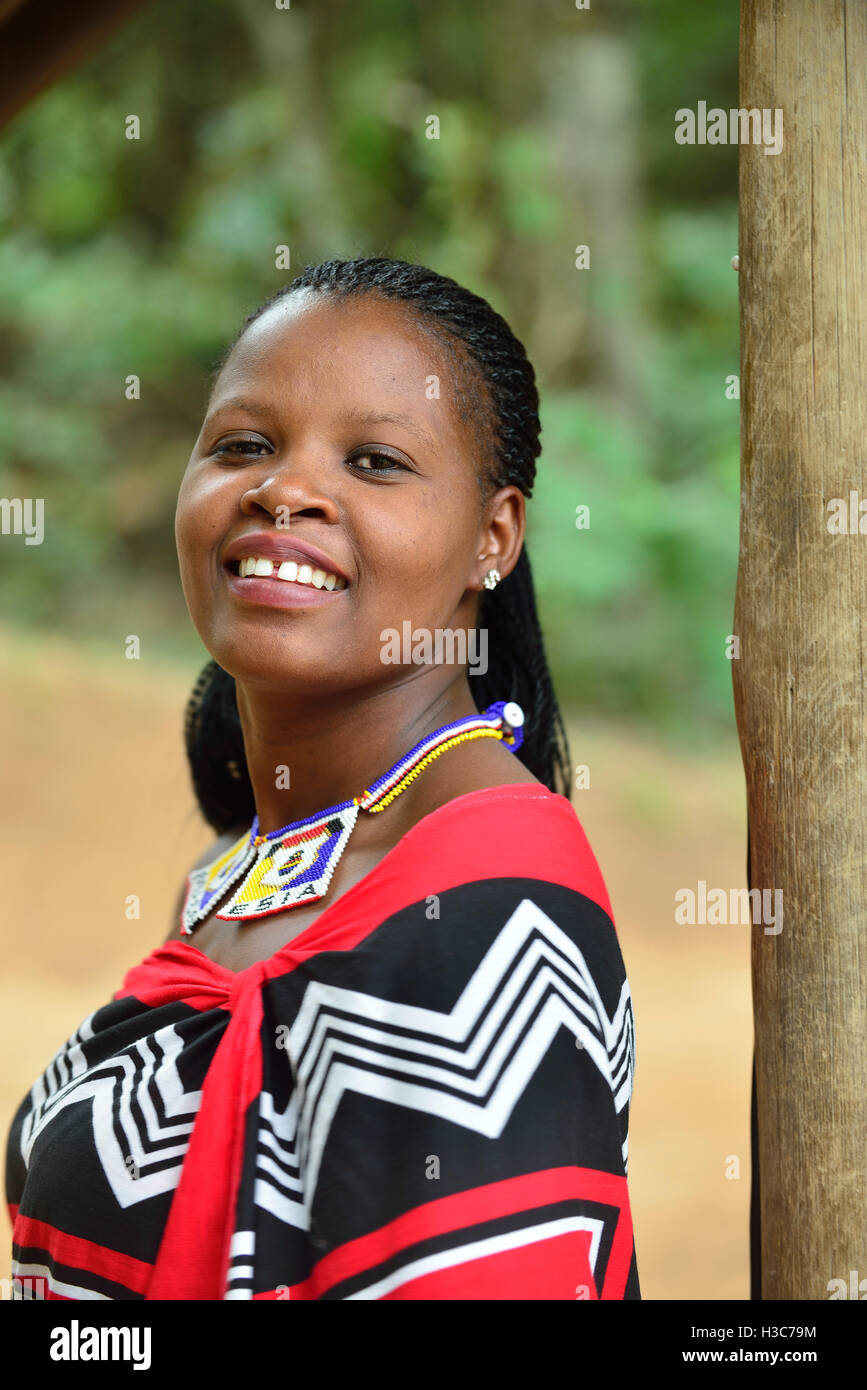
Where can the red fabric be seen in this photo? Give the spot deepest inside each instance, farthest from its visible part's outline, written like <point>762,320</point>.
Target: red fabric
<point>512,1268</point>
<point>530,834</point>
<point>525,845</point>
<point>72,1250</point>
<point>201,1219</point>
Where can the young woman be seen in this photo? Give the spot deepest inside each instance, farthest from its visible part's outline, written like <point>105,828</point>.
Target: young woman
<point>386,1051</point>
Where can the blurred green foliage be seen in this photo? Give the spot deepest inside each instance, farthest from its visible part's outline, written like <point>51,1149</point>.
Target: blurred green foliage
<point>307,127</point>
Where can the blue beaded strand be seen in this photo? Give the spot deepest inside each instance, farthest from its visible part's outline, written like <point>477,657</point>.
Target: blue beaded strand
<point>493,714</point>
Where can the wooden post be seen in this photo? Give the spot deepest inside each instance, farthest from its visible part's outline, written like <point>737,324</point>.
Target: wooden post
<point>801,617</point>
<point>41,41</point>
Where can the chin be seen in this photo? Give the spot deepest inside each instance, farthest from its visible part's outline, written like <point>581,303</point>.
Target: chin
<point>289,666</point>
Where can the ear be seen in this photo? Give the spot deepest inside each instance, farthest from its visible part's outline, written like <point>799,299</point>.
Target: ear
<point>501,535</point>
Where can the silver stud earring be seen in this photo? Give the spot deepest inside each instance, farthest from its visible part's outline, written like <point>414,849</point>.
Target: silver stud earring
<point>491,579</point>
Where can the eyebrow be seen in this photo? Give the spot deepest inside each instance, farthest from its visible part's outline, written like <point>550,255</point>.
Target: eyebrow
<point>392,419</point>
<point>241,403</point>
<point>354,417</point>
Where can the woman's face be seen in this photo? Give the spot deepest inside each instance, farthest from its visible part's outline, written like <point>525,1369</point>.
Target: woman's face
<point>325,428</point>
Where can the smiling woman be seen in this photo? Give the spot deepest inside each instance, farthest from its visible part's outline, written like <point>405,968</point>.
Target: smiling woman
<point>420,1087</point>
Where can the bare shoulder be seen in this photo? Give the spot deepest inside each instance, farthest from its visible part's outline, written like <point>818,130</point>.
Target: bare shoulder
<point>214,850</point>
<point>487,764</point>
<point>481,766</point>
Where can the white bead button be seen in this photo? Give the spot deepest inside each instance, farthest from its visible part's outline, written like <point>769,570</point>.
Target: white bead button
<point>513,715</point>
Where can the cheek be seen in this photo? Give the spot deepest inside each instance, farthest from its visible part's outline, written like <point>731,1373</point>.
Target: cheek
<point>202,508</point>
<point>420,560</point>
<point>440,541</point>
<point>197,529</point>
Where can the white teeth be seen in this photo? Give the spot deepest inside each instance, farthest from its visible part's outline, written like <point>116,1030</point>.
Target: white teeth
<point>290,570</point>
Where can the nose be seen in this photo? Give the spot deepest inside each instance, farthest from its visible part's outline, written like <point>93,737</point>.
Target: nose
<point>290,486</point>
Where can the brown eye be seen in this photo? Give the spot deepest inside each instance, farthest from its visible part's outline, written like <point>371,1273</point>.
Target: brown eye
<point>230,446</point>
<point>373,456</point>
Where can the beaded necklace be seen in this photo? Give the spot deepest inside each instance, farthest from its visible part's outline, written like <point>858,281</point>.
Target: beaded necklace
<point>293,866</point>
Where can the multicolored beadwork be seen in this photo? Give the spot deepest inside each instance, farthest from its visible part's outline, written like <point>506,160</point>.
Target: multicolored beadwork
<point>294,865</point>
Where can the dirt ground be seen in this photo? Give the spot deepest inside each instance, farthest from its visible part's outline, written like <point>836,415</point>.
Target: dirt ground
<point>97,806</point>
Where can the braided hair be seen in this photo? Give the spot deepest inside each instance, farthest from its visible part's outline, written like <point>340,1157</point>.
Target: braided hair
<point>480,345</point>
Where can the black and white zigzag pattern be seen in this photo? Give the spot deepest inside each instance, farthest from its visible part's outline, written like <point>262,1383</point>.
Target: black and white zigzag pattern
<point>486,1050</point>
<point>139,1108</point>
<point>531,1234</point>
<point>242,1249</point>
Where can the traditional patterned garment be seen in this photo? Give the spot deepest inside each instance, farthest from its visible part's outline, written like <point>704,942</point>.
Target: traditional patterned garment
<point>424,1095</point>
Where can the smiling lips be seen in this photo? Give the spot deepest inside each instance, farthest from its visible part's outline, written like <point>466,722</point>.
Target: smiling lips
<point>289,571</point>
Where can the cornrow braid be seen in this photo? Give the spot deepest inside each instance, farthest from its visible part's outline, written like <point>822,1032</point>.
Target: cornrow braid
<point>480,346</point>
<point>215,749</point>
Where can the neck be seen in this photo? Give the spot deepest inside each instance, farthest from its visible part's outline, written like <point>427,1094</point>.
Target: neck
<point>329,748</point>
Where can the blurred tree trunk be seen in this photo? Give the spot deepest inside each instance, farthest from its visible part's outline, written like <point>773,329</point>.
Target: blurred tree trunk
<point>40,41</point>
<point>593,321</point>
<point>294,59</point>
